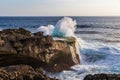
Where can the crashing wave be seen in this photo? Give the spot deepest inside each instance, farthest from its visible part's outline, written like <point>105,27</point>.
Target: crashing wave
<point>63,28</point>
<point>46,29</point>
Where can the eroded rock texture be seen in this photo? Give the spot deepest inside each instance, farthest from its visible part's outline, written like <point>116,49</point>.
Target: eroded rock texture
<point>19,46</point>
<point>23,72</point>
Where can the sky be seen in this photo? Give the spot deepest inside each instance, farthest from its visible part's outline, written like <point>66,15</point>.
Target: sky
<point>59,7</point>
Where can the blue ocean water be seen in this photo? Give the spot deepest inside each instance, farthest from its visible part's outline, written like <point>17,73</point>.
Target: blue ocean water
<point>107,28</point>
<point>99,38</point>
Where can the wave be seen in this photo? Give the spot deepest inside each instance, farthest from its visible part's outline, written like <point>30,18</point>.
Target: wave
<point>98,26</point>
<point>65,27</point>
<point>48,30</point>
<point>84,26</point>
<point>96,58</point>
<point>87,32</point>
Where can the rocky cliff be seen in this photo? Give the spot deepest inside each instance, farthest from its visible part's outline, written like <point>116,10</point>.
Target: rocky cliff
<point>19,46</point>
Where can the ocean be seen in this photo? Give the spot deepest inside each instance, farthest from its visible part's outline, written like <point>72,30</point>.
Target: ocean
<point>99,39</point>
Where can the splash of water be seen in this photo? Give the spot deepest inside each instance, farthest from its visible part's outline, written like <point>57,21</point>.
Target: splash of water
<point>46,29</point>
<point>65,27</point>
<point>95,57</point>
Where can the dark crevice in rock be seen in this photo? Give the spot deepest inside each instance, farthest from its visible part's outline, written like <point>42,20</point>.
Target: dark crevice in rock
<point>17,59</point>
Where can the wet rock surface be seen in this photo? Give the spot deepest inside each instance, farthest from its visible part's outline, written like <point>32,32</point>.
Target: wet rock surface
<point>103,77</point>
<point>21,47</point>
<point>23,72</point>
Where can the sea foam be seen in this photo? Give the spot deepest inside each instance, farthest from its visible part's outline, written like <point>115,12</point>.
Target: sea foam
<point>96,57</point>
<point>65,27</point>
<point>47,30</point>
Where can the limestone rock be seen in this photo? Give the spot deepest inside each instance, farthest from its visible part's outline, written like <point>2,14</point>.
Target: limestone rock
<point>19,46</point>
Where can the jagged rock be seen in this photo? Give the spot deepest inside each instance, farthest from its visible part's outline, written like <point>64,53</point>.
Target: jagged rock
<point>6,46</point>
<point>16,32</point>
<point>19,46</point>
<point>22,72</point>
<point>103,76</point>
<point>39,34</point>
<point>59,67</point>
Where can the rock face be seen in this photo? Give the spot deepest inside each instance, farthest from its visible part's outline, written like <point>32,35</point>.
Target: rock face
<point>19,46</point>
<point>103,77</point>
<point>23,72</point>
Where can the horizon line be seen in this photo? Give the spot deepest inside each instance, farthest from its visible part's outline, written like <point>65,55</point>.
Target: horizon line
<point>57,16</point>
